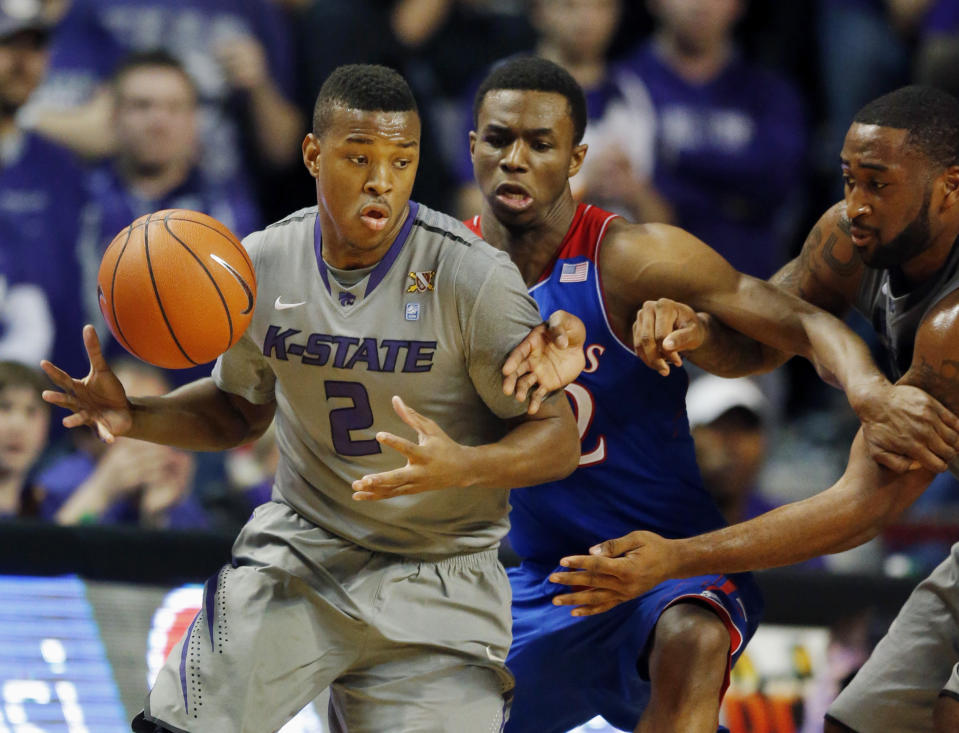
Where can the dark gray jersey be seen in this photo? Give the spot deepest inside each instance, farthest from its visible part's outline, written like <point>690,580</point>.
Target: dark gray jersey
<point>432,323</point>
<point>896,313</point>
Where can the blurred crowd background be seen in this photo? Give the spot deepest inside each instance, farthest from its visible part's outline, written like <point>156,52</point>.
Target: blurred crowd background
<point>724,117</point>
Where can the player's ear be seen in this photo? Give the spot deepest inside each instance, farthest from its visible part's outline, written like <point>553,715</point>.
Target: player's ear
<point>576,159</point>
<point>311,154</point>
<point>950,184</point>
<point>473,138</point>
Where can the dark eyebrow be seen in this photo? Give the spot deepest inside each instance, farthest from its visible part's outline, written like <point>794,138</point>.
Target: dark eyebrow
<point>871,166</point>
<point>367,140</point>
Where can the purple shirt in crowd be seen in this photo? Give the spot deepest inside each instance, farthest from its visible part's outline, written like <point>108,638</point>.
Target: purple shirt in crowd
<point>729,154</point>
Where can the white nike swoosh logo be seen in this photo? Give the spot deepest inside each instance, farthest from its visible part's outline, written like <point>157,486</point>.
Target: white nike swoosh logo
<point>281,306</point>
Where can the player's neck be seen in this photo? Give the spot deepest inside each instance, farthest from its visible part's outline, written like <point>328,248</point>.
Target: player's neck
<point>928,263</point>
<point>532,248</point>
<point>695,65</point>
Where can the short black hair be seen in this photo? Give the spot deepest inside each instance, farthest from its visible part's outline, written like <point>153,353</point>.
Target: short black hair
<point>150,59</point>
<point>929,115</point>
<point>366,87</point>
<point>534,73</point>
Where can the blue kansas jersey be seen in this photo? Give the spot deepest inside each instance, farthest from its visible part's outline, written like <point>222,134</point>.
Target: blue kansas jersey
<point>638,468</point>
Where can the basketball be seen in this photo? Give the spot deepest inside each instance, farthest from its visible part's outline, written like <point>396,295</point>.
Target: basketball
<point>176,288</point>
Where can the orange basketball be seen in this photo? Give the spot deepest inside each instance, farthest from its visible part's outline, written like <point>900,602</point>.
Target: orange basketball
<point>176,288</point>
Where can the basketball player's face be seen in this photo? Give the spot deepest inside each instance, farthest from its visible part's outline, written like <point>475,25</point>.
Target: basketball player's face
<point>523,154</point>
<point>888,192</point>
<point>364,165</point>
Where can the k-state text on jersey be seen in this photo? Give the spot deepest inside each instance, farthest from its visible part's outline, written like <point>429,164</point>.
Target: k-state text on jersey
<point>350,352</point>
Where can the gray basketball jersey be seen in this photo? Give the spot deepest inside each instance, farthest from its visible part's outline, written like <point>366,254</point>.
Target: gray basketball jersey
<point>432,322</point>
<point>896,317</point>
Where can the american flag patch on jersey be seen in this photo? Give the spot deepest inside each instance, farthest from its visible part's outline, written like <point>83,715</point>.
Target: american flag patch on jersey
<point>574,273</point>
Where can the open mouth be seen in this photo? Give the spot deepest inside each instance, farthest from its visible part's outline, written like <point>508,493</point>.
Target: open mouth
<point>513,196</point>
<point>375,216</point>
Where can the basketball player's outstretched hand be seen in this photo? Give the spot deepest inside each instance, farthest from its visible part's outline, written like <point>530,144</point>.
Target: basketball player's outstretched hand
<point>663,329</point>
<point>908,428</point>
<point>98,399</point>
<point>550,357</point>
<point>615,571</point>
<point>435,461</point>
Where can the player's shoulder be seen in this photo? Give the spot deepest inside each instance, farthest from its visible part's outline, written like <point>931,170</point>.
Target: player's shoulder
<point>275,237</point>
<point>457,242</point>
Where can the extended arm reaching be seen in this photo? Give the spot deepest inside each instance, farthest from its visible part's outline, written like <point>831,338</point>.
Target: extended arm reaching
<point>197,416</point>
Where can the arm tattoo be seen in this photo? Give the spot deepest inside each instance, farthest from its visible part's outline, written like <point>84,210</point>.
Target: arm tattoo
<point>792,275</point>
<point>841,268</point>
<point>943,384</point>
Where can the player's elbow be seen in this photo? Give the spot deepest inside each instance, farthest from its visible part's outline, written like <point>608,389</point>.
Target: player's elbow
<point>568,450</point>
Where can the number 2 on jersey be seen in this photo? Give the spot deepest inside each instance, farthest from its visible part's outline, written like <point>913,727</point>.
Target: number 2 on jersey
<point>345,419</point>
<point>583,408</point>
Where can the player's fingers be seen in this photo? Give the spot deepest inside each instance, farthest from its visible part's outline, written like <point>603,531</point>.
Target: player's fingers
<point>509,383</point>
<point>614,547</point>
<point>592,610</point>
<point>536,399</point>
<point>948,420</point>
<point>644,341</point>
<point>59,377</point>
<point>400,445</point>
<point>104,433</point>
<point>60,399</point>
<point>523,385</point>
<point>92,344</point>
<point>892,461</point>
<point>522,350</point>
<point>598,564</point>
<point>581,577</point>
<point>419,423</point>
<point>385,482</point>
<point>939,450</point>
<point>567,329</point>
<point>683,339</point>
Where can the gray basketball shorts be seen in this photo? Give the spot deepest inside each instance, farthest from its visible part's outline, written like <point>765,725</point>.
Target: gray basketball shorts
<point>403,644</point>
<point>913,664</point>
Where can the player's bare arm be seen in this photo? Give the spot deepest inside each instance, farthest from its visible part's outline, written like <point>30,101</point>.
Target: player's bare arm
<point>826,273</point>
<point>854,510</point>
<point>435,461</point>
<point>197,416</point>
<point>900,423</point>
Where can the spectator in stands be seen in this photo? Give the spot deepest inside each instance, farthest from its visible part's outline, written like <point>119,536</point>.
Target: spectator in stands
<point>577,35</point>
<point>155,124</point>
<point>730,137</point>
<point>127,482</point>
<point>24,430</point>
<point>937,52</point>
<point>729,421</point>
<point>238,52</point>
<point>865,49</point>
<point>40,201</point>
<point>26,323</point>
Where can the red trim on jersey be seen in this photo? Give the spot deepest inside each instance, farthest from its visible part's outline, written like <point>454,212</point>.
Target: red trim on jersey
<point>735,637</point>
<point>581,240</point>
